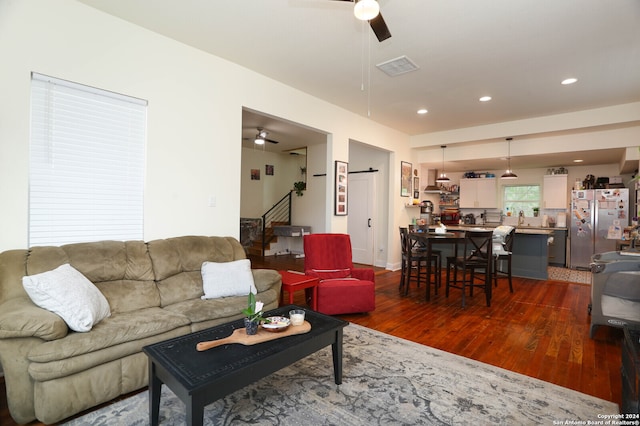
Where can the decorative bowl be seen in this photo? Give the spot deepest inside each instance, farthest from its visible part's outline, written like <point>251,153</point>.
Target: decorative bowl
<point>276,324</point>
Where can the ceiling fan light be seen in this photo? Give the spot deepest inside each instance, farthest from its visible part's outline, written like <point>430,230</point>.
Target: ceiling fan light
<point>366,10</point>
<point>259,141</point>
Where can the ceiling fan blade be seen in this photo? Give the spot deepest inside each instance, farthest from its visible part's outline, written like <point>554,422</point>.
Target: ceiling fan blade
<point>271,141</point>
<point>380,28</point>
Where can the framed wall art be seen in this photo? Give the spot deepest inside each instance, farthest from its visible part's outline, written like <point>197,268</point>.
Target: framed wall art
<point>405,178</point>
<point>268,169</point>
<point>341,188</point>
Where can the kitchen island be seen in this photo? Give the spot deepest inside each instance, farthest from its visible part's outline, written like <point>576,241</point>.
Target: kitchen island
<point>530,256</point>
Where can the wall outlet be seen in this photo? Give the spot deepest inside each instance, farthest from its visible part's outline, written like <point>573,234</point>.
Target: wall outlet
<point>212,201</point>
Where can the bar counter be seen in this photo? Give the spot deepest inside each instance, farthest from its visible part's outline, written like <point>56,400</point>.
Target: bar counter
<point>530,256</point>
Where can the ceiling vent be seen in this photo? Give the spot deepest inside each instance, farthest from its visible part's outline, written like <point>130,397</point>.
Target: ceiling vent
<point>397,66</point>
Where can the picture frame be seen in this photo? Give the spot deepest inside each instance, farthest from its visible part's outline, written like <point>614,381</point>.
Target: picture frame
<point>341,188</point>
<point>405,178</point>
<point>268,169</point>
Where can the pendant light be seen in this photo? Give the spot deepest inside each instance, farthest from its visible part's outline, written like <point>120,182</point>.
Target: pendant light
<point>443,177</point>
<point>508,174</point>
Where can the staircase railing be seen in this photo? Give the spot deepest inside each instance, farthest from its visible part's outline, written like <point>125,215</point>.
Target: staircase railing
<point>280,214</point>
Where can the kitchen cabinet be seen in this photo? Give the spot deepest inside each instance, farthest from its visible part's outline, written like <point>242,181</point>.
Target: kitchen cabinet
<point>530,255</point>
<point>558,248</point>
<point>554,192</point>
<point>478,193</point>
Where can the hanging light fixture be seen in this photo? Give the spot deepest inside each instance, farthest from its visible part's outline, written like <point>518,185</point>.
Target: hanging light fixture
<point>508,174</point>
<point>366,10</point>
<point>259,140</point>
<point>443,177</point>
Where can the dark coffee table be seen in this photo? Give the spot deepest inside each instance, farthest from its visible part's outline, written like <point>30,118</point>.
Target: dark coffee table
<point>199,378</point>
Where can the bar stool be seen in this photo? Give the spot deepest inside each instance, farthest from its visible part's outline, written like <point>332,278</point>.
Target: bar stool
<point>414,258</point>
<point>477,255</point>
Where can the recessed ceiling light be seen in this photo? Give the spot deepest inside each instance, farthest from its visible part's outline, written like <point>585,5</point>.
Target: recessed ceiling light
<point>422,111</point>
<point>485,99</point>
<point>578,161</point>
<point>569,81</point>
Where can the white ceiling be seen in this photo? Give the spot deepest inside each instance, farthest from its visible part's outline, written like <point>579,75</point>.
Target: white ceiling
<point>515,51</point>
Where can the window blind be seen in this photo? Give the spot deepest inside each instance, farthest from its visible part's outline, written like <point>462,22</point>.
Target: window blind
<point>86,163</point>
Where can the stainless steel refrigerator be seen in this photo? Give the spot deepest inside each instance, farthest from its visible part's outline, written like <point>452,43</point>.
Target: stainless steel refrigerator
<point>597,219</point>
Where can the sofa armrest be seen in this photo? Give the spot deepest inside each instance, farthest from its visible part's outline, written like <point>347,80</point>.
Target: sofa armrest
<point>267,279</point>
<point>363,274</point>
<point>20,317</point>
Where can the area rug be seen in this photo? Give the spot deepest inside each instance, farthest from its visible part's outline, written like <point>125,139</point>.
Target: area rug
<point>386,381</point>
<point>571,275</point>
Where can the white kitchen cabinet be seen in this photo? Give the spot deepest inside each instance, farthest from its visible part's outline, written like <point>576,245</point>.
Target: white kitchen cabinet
<point>478,193</point>
<point>554,192</point>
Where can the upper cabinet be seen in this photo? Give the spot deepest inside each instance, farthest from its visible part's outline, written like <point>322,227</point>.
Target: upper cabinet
<point>478,193</point>
<point>554,192</point>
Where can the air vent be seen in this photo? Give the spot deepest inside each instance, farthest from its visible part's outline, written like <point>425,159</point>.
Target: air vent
<point>397,66</point>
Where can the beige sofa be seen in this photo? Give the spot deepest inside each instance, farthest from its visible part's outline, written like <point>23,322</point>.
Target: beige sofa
<point>154,292</point>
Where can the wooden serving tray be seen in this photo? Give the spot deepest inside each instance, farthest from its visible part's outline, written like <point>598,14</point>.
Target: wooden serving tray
<point>240,336</point>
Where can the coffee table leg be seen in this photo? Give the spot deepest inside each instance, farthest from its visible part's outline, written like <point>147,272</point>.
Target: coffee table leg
<point>195,412</point>
<point>155,388</point>
<point>336,349</point>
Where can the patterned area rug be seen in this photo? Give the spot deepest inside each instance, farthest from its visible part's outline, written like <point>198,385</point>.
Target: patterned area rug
<point>386,381</point>
<point>571,275</point>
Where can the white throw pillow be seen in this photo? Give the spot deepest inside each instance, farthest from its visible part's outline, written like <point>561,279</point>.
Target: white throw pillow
<point>66,292</point>
<point>226,279</point>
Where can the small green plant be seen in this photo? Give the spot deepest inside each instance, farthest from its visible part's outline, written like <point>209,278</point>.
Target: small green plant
<point>299,187</point>
<point>253,312</point>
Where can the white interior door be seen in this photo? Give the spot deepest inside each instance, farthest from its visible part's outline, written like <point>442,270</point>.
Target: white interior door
<point>361,221</point>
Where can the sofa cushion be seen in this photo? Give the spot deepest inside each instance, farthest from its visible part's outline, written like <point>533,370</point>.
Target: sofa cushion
<point>77,364</point>
<point>68,293</point>
<point>115,330</point>
<point>109,265</point>
<point>177,263</point>
<point>198,310</point>
<point>224,279</point>
<point>325,274</point>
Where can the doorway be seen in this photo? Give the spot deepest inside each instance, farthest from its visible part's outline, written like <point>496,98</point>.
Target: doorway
<point>362,216</point>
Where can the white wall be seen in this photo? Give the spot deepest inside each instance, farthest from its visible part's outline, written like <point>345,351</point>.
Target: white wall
<point>194,117</point>
<point>258,196</point>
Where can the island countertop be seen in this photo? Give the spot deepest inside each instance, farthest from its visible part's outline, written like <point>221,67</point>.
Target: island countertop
<point>530,249</point>
<point>519,230</point>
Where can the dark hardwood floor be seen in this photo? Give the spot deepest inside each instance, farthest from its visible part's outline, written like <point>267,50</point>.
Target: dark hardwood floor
<point>541,330</point>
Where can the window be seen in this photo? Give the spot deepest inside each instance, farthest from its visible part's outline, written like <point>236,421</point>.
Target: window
<point>86,164</point>
<point>521,197</point>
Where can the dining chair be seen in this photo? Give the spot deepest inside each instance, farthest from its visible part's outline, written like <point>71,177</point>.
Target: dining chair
<point>476,257</point>
<point>503,237</point>
<point>414,258</point>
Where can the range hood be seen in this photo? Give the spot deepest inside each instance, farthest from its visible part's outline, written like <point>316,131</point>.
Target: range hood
<point>432,186</point>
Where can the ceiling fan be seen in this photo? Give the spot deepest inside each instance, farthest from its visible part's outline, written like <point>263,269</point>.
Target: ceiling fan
<point>261,137</point>
<point>369,10</point>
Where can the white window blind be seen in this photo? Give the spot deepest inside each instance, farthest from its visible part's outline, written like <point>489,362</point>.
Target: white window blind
<point>86,171</point>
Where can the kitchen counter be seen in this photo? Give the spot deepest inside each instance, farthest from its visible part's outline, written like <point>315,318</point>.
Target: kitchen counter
<point>530,256</point>
<point>519,229</point>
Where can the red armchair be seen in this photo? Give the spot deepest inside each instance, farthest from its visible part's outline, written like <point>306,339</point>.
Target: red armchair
<point>343,289</point>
